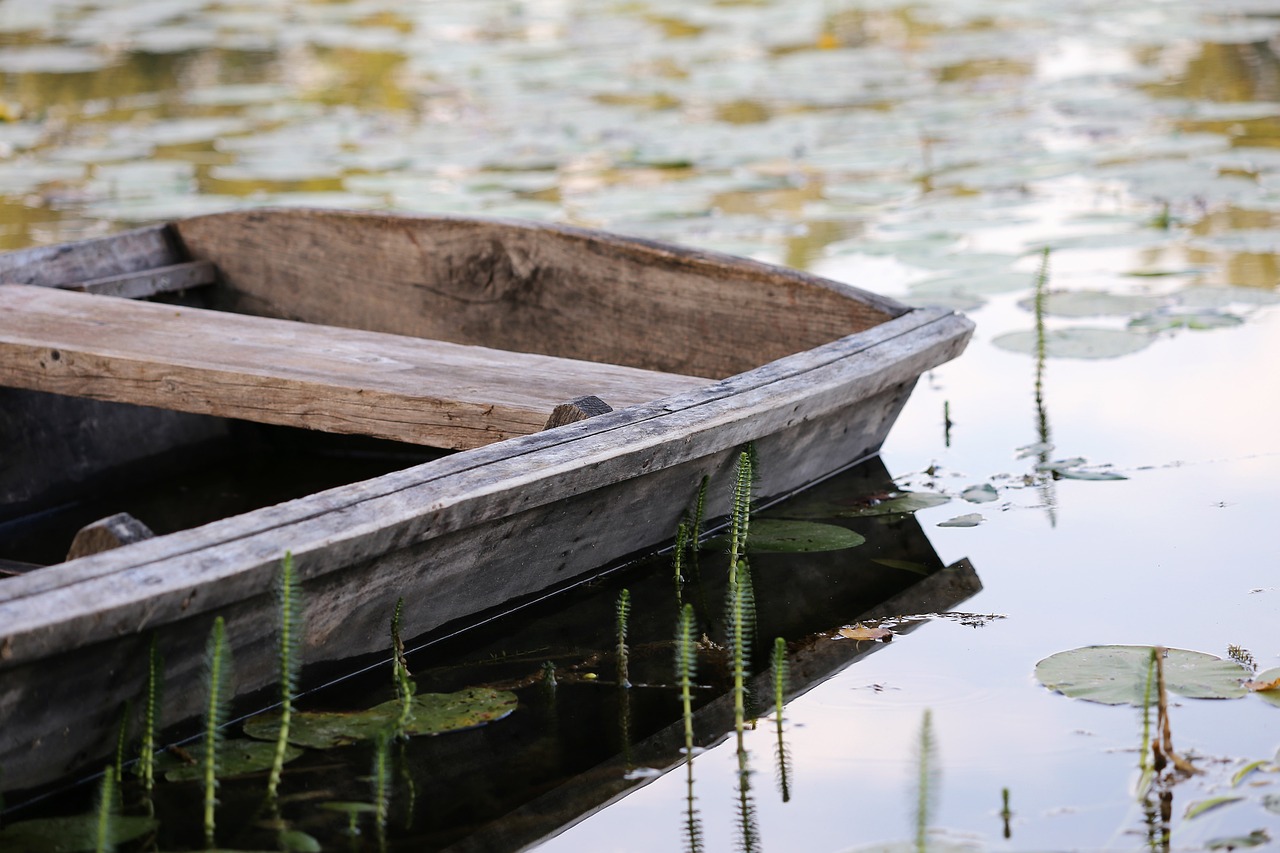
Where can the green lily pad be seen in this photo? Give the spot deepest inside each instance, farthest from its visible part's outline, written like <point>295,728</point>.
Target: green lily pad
<point>1198,320</point>
<point>1069,469</point>
<point>969,519</point>
<point>1235,842</point>
<point>1117,675</point>
<point>1092,303</point>
<point>1272,696</point>
<point>1077,342</point>
<point>433,714</point>
<point>984,493</point>
<point>900,503</point>
<point>69,834</point>
<point>786,536</point>
<point>237,757</point>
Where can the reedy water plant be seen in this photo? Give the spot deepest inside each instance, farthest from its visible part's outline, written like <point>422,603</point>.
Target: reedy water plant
<point>105,813</point>
<point>381,781</point>
<point>927,779</point>
<point>623,611</point>
<point>151,717</point>
<point>218,663</point>
<point>405,688</point>
<point>741,599</point>
<point>290,606</point>
<point>686,662</point>
<point>122,738</point>
<point>782,755</point>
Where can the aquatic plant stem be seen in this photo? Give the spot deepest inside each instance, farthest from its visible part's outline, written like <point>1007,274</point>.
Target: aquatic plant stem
<point>405,688</point>
<point>382,786</point>
<point>623,611</point>
<point>288,596</point>
<point>219,666</point>
<point>781,754</point>
<point>686,666</point>
<point>151,717</point>
<point>926,781</point>
<point>103,842</point>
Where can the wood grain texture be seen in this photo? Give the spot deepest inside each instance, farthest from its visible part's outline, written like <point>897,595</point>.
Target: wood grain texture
<point>525,287</point>
<point>577,410</point>
<point>114,531</point>
<point>295,374</point>
<point>149,282</point>
<point>54,266</point>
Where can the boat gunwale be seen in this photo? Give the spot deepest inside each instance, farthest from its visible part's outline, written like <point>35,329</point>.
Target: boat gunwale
<point>652,426</point>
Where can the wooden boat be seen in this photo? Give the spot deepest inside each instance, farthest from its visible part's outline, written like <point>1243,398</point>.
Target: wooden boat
<point>451,333</point>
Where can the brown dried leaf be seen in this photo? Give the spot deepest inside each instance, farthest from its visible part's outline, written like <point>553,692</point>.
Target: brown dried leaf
<point>862,632</point>
<point>1263,686</point>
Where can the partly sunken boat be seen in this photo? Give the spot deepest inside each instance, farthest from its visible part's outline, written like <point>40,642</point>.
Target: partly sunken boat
<point>584,383</point>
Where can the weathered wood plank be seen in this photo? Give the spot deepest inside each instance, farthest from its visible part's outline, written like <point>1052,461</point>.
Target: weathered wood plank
<point>294,374</point>
<point>525,287</point>
<point>139,285</point>
<point>533,485</point>
<point>67,263</point>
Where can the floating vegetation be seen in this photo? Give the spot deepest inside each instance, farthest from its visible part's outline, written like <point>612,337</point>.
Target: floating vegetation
<point>236,757</point>
<point>793,536</point>
<point>1117,675</point>
<point>1077,342</point>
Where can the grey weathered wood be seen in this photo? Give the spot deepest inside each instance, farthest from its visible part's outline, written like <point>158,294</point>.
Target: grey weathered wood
<point>294,374</point>
<point>107,533</point>
<point>52,266</point>
<point>525,287</point>
<point>575,410</point>
<point>139,285</point>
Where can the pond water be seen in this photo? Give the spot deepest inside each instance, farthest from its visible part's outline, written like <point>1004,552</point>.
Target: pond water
<point>929,151</point>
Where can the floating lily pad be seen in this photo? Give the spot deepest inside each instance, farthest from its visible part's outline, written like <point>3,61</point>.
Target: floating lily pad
<point>1272,696</point>
<point>1077,342</point>
<point>784,535</point>
<point>69,834</point>
<point>900,503</point>
<point>1069,469</point>
<point>1198,320</point>
<point>1092,303</point>
<point>1117,675</point>
<point>236,758</point>
<point>433,713</point>
<point>969,519</point>
<point>980,494</point>
<point>1236,842</point>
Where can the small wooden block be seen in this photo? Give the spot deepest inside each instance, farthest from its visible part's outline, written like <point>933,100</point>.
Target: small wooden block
<point>578,409</point>
<point>107,533</point>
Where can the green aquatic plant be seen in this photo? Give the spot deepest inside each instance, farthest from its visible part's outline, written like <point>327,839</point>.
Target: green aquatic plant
<point>740,511</point>
<point>122,738</point>
<point>927,781</point>
<point>405,688</point>
<point>218,663</point>
<point>104,840</point>
<point>289,603</point>
<point>1006,813</point>
<point>678,558</point>
<point>748,822</point>
<point>1146,767</point>
<point>686,661</point>
<point>778,666</point>
<point>622,614</point>
<point>151,716</point>
<point>381,782</point>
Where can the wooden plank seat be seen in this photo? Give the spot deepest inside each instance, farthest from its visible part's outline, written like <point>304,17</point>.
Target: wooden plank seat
<point>296,374</point>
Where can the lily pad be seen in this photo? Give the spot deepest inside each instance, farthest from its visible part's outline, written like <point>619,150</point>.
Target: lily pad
<point>236,758</point>
<point>900,503</point>
<point>1117,675</point>
<point>1198,320</point>
<point>1201,806</point>
<point>980,494</point>
<point>969,519</point>
<point>1272,696</point>
<point>69,834</point>
<point>1077,342</point>
<point>784,535</point>
<point>433,714</point>
<point>1092,303</point>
